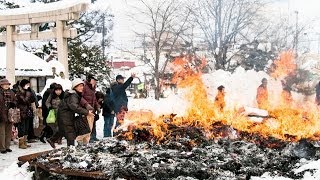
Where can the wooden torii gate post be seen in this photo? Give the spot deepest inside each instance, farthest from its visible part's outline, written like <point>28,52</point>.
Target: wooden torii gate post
<point>58,12</point>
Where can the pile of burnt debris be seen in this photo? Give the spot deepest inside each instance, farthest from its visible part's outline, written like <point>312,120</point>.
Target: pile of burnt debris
<point>185,154</point>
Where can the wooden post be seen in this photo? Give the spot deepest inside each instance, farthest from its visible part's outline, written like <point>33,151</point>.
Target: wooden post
<point>62,47</point>
<point>10,59</point>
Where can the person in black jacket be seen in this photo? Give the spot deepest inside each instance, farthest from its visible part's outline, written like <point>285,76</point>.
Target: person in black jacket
<point>47,132</point>
<point>120,97</point>
<point>66,113</point>
<point>24,103</point>
<point>108,114</point>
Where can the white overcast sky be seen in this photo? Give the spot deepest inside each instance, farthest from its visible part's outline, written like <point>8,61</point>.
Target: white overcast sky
<point>309,10</point>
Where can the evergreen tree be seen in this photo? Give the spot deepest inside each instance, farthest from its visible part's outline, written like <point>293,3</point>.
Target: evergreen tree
<point>86,60</point>
<point>8,5</point>
<point>86,52</point>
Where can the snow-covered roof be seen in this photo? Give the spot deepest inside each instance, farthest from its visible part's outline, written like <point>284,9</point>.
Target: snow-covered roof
<point>40,7</point>
<point>27,64</point>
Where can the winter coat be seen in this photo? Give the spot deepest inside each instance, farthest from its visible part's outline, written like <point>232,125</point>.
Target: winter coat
<point>5,107</point>
<point>53,103</point>
<point>35,98</point>
<point>66,114</point>
<point>89,96</point>
<point>44,108</point>
<point>120,95</point>
<point>262,97</point>
<point>24,100</point>
<point>107,106</point>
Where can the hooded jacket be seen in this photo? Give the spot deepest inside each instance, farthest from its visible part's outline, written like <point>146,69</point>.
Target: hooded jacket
<point>68,108</point>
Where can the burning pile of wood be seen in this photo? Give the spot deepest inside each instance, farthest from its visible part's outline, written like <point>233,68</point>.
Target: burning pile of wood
<point>184,153</point>
<point>204,144</point>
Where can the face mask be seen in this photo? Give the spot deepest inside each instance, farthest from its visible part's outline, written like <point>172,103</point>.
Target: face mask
<point>26,87</point>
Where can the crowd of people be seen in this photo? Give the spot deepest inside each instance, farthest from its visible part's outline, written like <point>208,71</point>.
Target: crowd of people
<point>69,114</point>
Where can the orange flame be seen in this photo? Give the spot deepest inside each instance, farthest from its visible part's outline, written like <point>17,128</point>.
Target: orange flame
<point>284,65</point>
<point>287,122</point>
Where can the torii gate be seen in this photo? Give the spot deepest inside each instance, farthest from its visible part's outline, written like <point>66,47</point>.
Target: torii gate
<point>58,12</point>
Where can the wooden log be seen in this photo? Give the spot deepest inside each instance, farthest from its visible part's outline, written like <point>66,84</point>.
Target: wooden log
<point>55,168</point>
<point>30,157</point>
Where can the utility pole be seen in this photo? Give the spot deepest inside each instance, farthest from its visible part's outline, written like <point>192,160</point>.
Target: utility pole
<point>103,36</point>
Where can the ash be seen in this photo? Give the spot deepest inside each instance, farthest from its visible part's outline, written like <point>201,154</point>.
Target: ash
<point>177,159</point>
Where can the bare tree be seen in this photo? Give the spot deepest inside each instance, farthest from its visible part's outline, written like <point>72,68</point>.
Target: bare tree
<point>222,23</point>
<point>164,22</point>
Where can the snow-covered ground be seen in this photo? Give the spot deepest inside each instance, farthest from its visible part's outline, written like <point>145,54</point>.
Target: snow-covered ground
<point>241,90</point>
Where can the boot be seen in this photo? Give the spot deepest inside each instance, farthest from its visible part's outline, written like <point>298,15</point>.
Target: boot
<point>43,134</point>
<point>21,143</point>
<point>52,143</point>
<point>25,141</point>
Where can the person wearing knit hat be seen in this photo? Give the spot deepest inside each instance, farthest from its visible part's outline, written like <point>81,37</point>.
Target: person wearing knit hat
<point>7,101</point>
<point>25,85</point>
<point>4,82</point>
<point>25,99</point>
<point>68,109</point>
<point>76,82</point>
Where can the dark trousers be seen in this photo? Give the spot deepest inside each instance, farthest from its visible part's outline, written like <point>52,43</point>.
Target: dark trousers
<point>23,127</point>
<point>56,137</point>
<point>47,132</point>
<point>5,135</point>
<point>94,131</point>
<point>31,130</point>
<point>70,142</point>
<point>108,123</point>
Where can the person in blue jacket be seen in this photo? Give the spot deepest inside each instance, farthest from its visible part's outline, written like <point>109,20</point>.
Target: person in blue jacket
<point>119,97</point>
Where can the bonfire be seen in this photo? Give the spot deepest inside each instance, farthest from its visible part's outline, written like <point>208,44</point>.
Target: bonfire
<point>205,143</point>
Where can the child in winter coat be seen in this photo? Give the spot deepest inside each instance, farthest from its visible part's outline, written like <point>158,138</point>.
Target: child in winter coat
<point>53,103</point>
